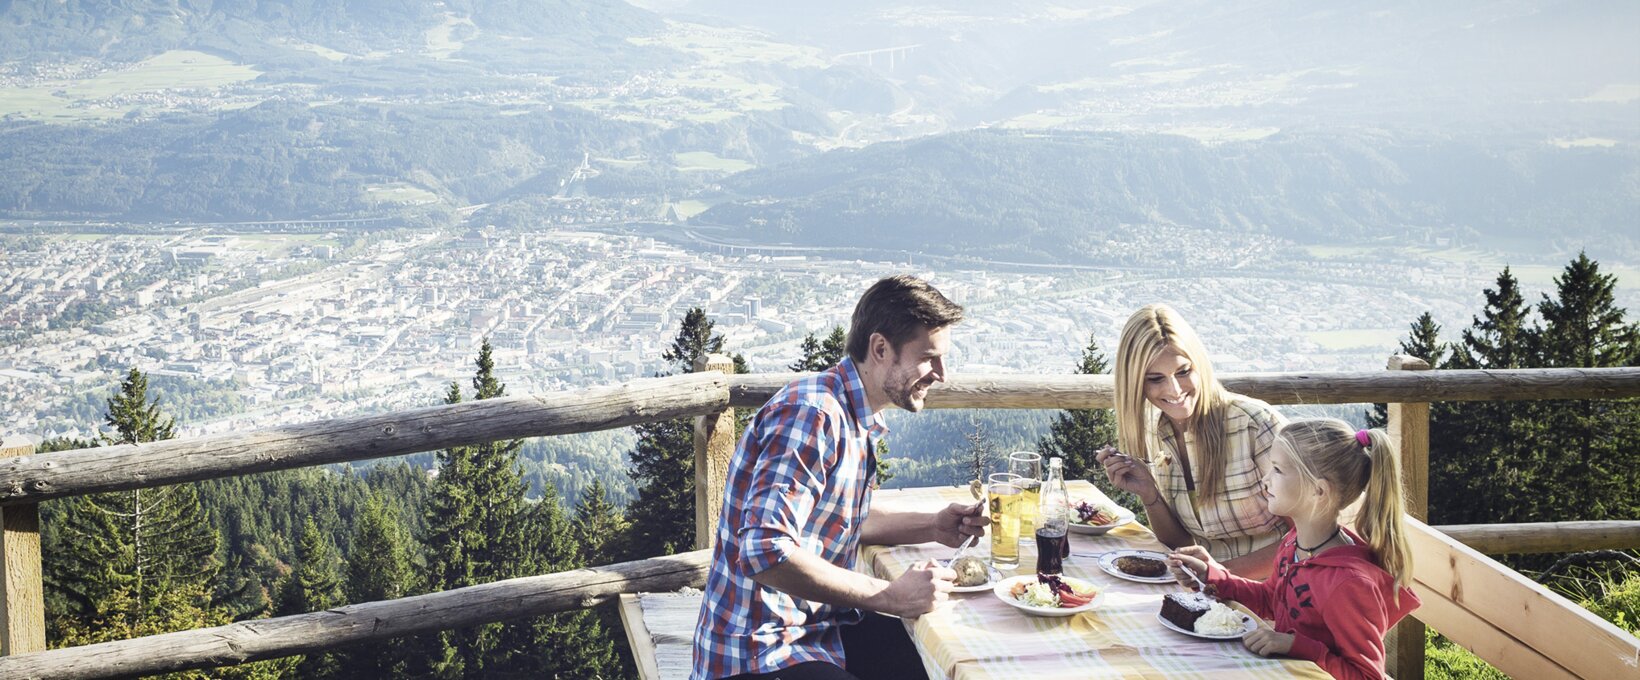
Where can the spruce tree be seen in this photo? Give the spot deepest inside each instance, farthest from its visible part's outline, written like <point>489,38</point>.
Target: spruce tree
<point>663,461</point>
<point>378,569</point>
<point>1494,445</point>
<point>314,585</point>
<point>141,543</point>
<point>1077,434</point>
<point>451,514</point>
<point>1423,340</point>
<point>1592,443</point>
<point>597,523</point>
<point>819,355</point>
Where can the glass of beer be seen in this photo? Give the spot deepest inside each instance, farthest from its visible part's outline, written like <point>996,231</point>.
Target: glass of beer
<point>1027,465</point>
<point>1007,500</point>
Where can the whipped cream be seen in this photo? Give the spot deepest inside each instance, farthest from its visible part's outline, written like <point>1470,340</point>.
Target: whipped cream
<point>1219,620</point>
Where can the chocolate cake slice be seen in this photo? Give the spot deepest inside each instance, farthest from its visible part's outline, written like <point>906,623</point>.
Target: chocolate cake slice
<point>1182,609</point>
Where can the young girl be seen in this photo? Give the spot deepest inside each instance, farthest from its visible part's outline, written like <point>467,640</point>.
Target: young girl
<point>1334,592</point>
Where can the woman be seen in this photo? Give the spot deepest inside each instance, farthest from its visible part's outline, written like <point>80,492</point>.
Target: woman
<point>1196,454</point>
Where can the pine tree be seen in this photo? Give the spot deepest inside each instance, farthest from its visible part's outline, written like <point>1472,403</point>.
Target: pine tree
<point>663,462</point>
<point>378,569</point>
<point>451,512</point>
<point>314,585</point>
<point>809,349</point>
<point>140,544</point>
<point>479,516</point>
<point>1593,442</point>
<point>1077,434</point>
<point>1423,340</point>
<point>597,523</point>
<point>1494,444</point>
<point>819,355</point>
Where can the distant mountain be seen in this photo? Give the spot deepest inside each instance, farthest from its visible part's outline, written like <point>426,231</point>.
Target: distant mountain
<point>138,28</point>
<point>1058,197</point>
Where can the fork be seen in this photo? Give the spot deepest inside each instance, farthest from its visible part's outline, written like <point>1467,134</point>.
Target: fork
<point>962,548</point>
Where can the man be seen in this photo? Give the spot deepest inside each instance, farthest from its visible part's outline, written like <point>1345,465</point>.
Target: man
<point>782,598</point>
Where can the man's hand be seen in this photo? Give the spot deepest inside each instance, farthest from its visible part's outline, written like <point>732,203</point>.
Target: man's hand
<point>915,592</point>
<point>1267,642</point>
<point>957,522</point>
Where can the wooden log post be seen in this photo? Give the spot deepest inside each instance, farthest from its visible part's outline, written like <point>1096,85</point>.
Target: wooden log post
<point>1409,426</point>
<point>714,446</point>
<point>173,461</point>
<point>22,596</point>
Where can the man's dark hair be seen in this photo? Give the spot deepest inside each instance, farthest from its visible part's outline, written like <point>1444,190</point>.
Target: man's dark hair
<point>898,306</point>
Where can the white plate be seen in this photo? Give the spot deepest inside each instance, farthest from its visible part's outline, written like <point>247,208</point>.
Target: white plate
<point>1123,516</point>
<point>1107,562</point>
<point>1002,587</point>
<point>995,575</point>
<point>1248,625</point>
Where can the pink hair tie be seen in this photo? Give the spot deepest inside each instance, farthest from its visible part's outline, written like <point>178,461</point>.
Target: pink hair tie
<point>1363,438</point>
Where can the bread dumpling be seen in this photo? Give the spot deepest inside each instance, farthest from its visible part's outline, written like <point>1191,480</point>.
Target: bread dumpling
<point>971,571</point>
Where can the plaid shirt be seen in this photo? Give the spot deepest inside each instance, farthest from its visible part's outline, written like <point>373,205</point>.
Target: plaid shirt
<point>800,479</point>
<point>1237,521</point>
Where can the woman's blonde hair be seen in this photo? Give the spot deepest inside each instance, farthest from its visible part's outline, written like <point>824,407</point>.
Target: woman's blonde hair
<point>1149,333</point>
<point>1328,448</point>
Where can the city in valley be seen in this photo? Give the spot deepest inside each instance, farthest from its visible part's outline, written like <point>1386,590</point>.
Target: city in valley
<point>298,327</point>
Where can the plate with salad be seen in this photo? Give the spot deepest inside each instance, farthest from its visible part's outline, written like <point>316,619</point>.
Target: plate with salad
<point>1095,519</point>
<point>1048,595</point>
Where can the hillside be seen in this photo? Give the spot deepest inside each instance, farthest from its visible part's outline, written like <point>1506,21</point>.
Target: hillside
<point>1060,197</point>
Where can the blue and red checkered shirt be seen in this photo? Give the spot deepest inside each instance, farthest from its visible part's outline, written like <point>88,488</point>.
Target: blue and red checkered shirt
<point>800,479</point>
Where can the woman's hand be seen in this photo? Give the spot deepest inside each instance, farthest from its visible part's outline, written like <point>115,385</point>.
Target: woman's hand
<point>1193,558</point>
<point>1129,474</point>
<point>1267,642</point>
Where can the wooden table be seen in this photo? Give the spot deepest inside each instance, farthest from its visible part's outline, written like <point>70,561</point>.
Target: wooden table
<point>978,636</point>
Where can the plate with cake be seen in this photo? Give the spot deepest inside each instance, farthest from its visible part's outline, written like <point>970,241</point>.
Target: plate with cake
<point>1095,519</point>
<point>1143,566</point>
<point>1198,615</point>
<point>1048,595</point>
<point>974,574</point>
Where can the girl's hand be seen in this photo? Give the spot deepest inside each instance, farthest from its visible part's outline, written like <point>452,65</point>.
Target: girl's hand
<point>1267,642</point>
<point>1191,557</point>
<point>1128,474</point>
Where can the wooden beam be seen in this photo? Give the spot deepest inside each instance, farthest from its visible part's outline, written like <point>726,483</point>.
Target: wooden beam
<point>319,631</point>
<point>1570,636</point>
<point>714,447</point>
<point>1498,648</point>
<point>22,594</point>
<point>978,390</point>
<point>1409,426</point>
<point>638,638</point>
<point>1545,537</point>
<point>115,468</point>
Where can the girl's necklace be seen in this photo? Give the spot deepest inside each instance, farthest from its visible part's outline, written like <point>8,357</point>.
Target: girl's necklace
<point>1318,546</point>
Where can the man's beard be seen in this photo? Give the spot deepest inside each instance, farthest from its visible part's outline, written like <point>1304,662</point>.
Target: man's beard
<point>901,387</point>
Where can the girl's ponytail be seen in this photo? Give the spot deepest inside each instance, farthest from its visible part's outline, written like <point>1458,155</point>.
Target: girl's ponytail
<point>1381,520</point>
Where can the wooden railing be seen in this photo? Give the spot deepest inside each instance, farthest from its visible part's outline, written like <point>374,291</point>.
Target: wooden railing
<point>711,396</point>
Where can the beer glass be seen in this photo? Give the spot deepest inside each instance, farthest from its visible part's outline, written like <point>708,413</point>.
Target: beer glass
<point>1007,499</point>
<point>1027,465</point>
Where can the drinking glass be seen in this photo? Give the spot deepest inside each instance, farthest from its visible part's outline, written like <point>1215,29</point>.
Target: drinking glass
<point>1027,465</point>
<point>1006,497</point>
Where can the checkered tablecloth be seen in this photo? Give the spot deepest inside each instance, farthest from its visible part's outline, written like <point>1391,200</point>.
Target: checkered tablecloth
<point>976,636</point>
